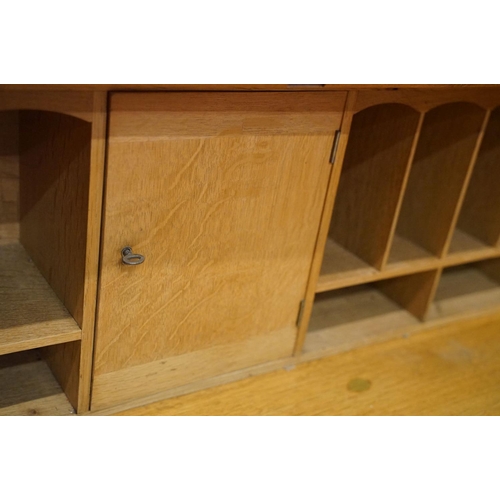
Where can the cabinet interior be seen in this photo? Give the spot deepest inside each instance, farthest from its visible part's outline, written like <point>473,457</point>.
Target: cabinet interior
<point>466,289</point>
<point>44,181</point>
<point>347,318</point>
<point>478,224</point>
<point>413,237</point>
<point>417,204</point>
<point>28,386</point>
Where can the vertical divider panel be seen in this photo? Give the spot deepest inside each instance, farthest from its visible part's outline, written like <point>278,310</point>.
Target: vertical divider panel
<point>465,185</point>
<point>9,175</point>
<point>491,268</point>
<point>54,185</point>
<point>402,192</point>
<point>414,292</point>
<point>442,165</point>
<point>325,223</point>
<point>96,195</point>
<point>373,173</point>
<point>480,213</point>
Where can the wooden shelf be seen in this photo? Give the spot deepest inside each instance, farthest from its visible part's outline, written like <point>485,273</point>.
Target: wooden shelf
<point>27,387</point>
<point>378,154</point>
<point>441,167</point>
<point>31,315</point>
<point>466,248</point>
<point>467,289</point>
<point>405,252</point>
<point>397,204</point>
<point>480,212</point>
<point>361,315</point>
<point>341,268</point>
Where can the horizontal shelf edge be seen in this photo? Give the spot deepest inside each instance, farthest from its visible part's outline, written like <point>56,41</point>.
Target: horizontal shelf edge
<point>36,343</point>
<point>335,281</point>
<point>329,282</point>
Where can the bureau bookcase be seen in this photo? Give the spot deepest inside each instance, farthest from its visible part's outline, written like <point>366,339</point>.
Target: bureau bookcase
<point>156,242</point>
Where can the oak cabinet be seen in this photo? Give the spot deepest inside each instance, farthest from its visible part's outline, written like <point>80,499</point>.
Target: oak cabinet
<point>409,214</point>
<point>273,227</point>
<point>223,195</point>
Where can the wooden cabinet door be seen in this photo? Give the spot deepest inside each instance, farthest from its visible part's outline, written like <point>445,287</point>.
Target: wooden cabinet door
<point>222,193</point>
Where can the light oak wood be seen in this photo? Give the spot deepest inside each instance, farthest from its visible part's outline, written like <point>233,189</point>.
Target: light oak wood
<point>386,323</point>
<point>124,385</point>
<point>465,248</point>
<point>465,185</point>
<point>203,130</point>
<point>480,213</point>
<point>424,99</point>
<point>342,269</point>
<point>351,270</point>
<point>72,363</point>
<point>93,240</point>
<point>64,363</point>
<point>171,115</point>
<point>227,221</point>
<point>465,290</point>
<point>323,241</point>
<point>373,174</point>
<point>27,387</point>
<point>439,174</point>
<point>345,319</point>
<point>414,292</point>
<point>339,262</point>
<point>60,225</point>
<point>74,103</point>
<point>395,245</point>
<point>9,175</point>
<point>450,370</point>
<point>406,252</point>
<point>30,313</point>
<point>54,185</point>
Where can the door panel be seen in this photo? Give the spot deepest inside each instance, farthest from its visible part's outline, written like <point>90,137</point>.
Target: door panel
<point>223,195</point>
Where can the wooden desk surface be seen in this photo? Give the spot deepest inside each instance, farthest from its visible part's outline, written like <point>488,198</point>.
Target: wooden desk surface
<point>447,371</point>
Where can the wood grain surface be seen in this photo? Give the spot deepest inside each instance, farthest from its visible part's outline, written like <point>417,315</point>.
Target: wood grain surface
<point>322,239</point>
<point>92,256</point>
<point>466,248</point>
<point>54,179</point>
<point>480,213</point>
<point>9,175</point>
<point>439,174</point>
<point>64,363</point>
<point>466,289</point>
<point>192,368</point>
<point>31,315</point>
<point>413,292</point>
<point>154,116</point>
<point>373,175</point>
<point>341,268</point>
<point>451,370</point>
<point>27,387</point>
<point>227,221</point>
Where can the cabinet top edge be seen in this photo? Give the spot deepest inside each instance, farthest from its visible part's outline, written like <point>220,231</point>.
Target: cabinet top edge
<point>230,87</point>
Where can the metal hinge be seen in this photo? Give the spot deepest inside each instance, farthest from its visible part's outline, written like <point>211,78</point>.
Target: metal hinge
<point>301,311</point>
<point>335,146</point>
